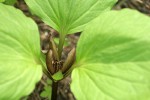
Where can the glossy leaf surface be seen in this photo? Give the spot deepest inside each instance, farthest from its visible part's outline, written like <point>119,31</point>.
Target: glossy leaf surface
<point>113,58</point>
<point>68,16</point>
<point>20,67</point>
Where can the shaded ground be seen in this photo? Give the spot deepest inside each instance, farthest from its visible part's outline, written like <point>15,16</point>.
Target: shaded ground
<point>64,92</point>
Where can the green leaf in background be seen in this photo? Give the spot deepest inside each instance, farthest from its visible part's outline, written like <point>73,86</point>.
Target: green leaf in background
<point>49,81</point>
<point>20,67</point>
<point>10,2</point>
<point>113,58</point>
<point>68,16</point>
<point>47,92</point>
<point>2,1</point>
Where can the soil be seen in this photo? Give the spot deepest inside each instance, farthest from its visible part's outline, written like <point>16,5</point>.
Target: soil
<point>64,92</point>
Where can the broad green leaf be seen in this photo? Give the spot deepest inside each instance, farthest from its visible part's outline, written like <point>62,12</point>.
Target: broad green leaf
<point>113,58</point>
<point>20,67</point>
<point>10,2</point>
<point>68,16</point>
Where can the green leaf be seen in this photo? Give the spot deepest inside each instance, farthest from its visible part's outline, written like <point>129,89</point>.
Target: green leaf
<point>44,94</point>
<point>2,1</point>
<point>68,16</point>
<point>47,88</point>
<point>58,76</point>
<point>113,58</point>
<point>47,92</point>
<point>20,67</point>
<point>10,2</point>
<point>49,82</point>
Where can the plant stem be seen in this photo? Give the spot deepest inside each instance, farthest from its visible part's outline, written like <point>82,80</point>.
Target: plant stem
<point>61,43</point>
<point>54,90</point>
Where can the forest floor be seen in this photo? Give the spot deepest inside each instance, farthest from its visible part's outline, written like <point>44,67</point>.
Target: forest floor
<point>64,92</point>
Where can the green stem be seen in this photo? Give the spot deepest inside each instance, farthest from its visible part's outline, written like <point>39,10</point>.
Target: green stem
<point>54,90</point>
<point>61,43</point>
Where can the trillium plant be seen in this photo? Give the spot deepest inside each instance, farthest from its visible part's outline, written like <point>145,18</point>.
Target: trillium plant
<point>110,62</point>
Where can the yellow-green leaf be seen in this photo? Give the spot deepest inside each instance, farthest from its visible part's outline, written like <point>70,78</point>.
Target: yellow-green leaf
<point>20,65</point>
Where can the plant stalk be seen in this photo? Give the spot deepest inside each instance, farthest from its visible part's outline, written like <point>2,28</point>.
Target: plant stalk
<point>69,61</point>
<point>61,43</point>
<point>54,90</point>
<point>54,49</point>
